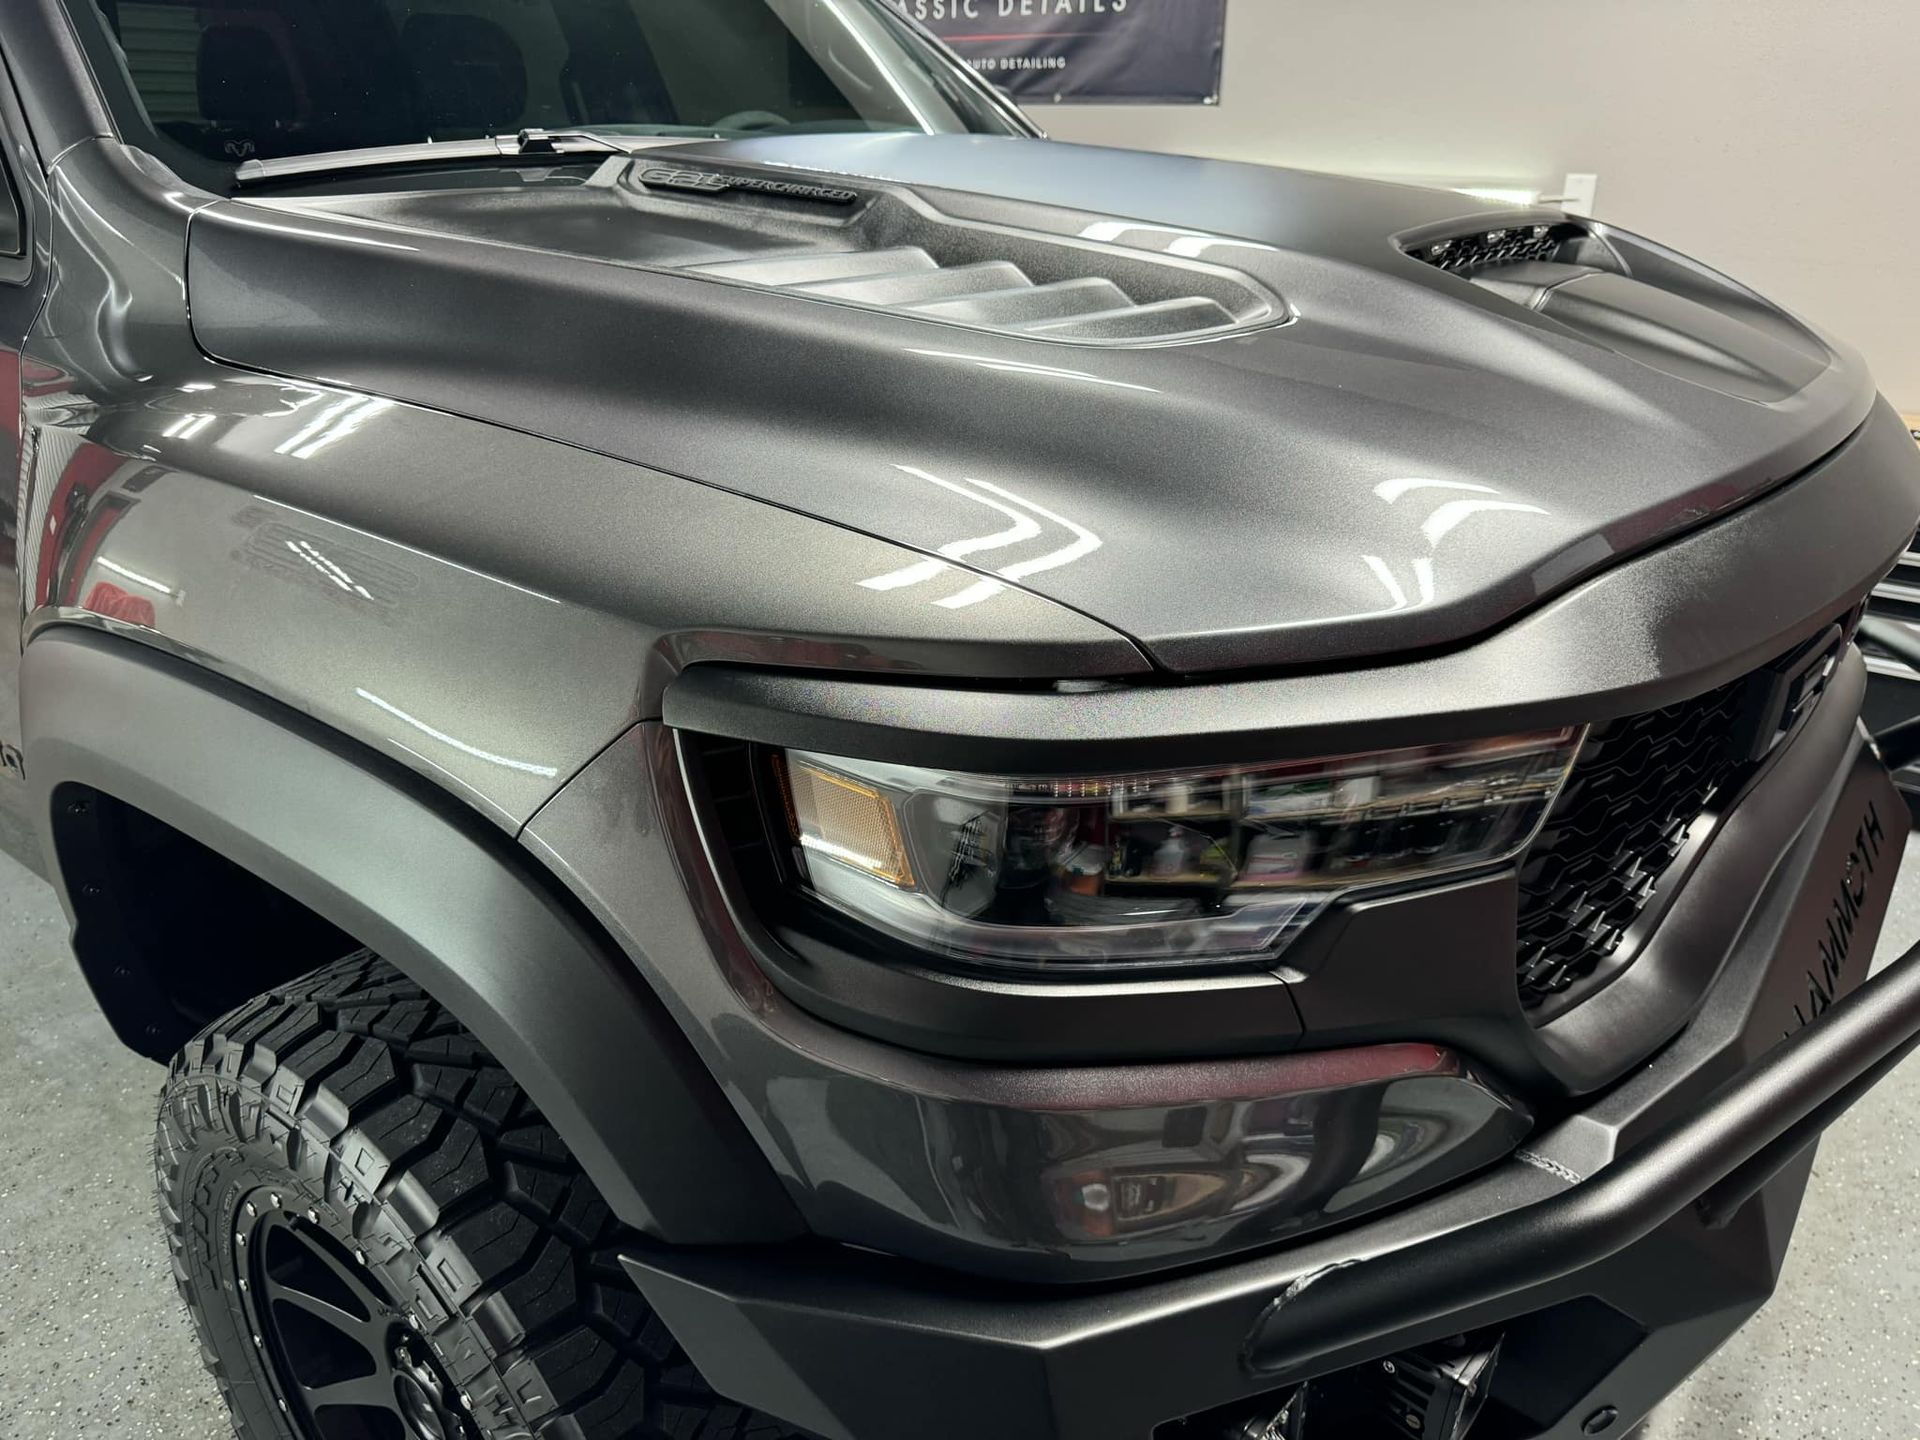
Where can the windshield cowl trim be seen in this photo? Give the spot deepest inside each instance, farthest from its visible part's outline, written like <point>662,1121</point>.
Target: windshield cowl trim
<point>551,149</point>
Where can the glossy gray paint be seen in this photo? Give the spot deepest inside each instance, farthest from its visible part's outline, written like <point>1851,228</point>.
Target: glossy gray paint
<point>323,550</point>
<point>1689,615</point>
<point>59,90</point>
<point>469,486</point>
<point>23,287</point>
<point>1409,462</point>
<point>489,607</point>
<point>526,597</point>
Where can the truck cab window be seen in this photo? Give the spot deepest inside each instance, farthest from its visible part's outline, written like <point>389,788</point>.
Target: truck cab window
<point>228,81</point>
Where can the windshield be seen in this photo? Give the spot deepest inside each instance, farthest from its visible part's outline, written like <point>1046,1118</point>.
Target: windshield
<point>219,82</point>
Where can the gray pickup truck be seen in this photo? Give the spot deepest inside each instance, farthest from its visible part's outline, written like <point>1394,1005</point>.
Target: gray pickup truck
<point>777,760</point>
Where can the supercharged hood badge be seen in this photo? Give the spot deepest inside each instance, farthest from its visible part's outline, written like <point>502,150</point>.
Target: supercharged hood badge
<point>709,182</point>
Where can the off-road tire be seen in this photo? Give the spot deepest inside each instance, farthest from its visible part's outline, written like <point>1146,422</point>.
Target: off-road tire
<point>358,1105</point>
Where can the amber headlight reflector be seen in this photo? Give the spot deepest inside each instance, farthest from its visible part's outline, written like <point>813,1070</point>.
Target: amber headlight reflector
<point>1177,867</point>
<point>843,820</point>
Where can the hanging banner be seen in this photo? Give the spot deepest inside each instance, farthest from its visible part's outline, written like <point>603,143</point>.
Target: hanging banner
<point>1143,52</point>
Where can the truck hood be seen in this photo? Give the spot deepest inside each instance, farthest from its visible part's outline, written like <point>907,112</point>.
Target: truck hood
<point>1248,417</point>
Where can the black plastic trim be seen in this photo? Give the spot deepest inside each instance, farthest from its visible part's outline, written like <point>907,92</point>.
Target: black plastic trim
<point>830,1339</point>
<point>433,890</point>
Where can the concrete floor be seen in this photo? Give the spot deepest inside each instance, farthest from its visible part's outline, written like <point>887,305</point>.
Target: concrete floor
<point>92,1341</point>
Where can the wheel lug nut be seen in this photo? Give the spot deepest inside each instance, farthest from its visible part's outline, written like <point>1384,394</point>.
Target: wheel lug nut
<point>313,1216</point>
<point>274,1201</point>
<point>360,1257</point>
<point>251,1212</point>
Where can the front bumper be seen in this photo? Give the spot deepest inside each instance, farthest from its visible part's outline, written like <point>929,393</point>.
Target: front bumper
<point>1667,1204</point>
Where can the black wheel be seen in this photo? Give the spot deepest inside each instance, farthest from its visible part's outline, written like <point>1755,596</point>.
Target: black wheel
<point>379,1238</point>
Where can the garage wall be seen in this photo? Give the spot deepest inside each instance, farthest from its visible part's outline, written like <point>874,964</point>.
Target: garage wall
<point>1778,140</point>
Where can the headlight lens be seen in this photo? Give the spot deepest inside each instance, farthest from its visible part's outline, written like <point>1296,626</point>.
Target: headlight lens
<point>1178,867</point>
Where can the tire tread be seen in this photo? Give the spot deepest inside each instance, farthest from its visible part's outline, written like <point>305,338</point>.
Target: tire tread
<point>427,1139</point>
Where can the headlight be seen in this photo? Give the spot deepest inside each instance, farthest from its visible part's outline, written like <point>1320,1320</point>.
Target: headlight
<point>1180,867</point>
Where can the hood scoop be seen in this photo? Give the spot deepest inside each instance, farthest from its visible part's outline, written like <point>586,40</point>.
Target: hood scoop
<point>987,294</point>
<point>892,249</point>
<point>1468,252</point>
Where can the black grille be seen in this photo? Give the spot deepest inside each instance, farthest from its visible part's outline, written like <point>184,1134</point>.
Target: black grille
<point>1505,245</point>
<point>1898,596</point>
<point>1636,791</point>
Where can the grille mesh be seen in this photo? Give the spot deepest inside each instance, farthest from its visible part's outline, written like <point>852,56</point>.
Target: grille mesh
<point>1637,789</point>
<point>1478,250</point>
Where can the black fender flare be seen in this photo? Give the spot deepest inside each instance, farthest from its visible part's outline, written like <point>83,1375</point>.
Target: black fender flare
<point>426,884</point>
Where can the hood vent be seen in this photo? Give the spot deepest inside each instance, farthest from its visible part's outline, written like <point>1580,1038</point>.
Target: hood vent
<point>892,249</point>
<point>1470,251</point>
<point>989,294</point>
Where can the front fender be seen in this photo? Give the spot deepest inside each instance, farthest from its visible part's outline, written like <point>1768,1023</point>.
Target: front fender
<point>420,879</point>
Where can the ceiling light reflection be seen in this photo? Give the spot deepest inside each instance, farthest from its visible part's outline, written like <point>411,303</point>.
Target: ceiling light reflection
<point>331,425</point>
<point>187,426</point>
<point>134,575</point>
<point>1189,244</point>
<point>306,551</point>
<point>1449,517</point>
<point>425,729</point>
<point>1026,516</point>
<point>1391,490</point>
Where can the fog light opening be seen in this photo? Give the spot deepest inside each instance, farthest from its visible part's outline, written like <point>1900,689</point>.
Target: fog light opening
<point>1439,1390</point>
<point>1434,1392</point>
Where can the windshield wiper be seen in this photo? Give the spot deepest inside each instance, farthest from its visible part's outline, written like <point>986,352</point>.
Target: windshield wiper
<point>537,145</point>
<point>547,142</point>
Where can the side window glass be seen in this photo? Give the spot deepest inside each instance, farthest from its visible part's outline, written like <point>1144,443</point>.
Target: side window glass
<point>12,229</point>
<point>13,226</point>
